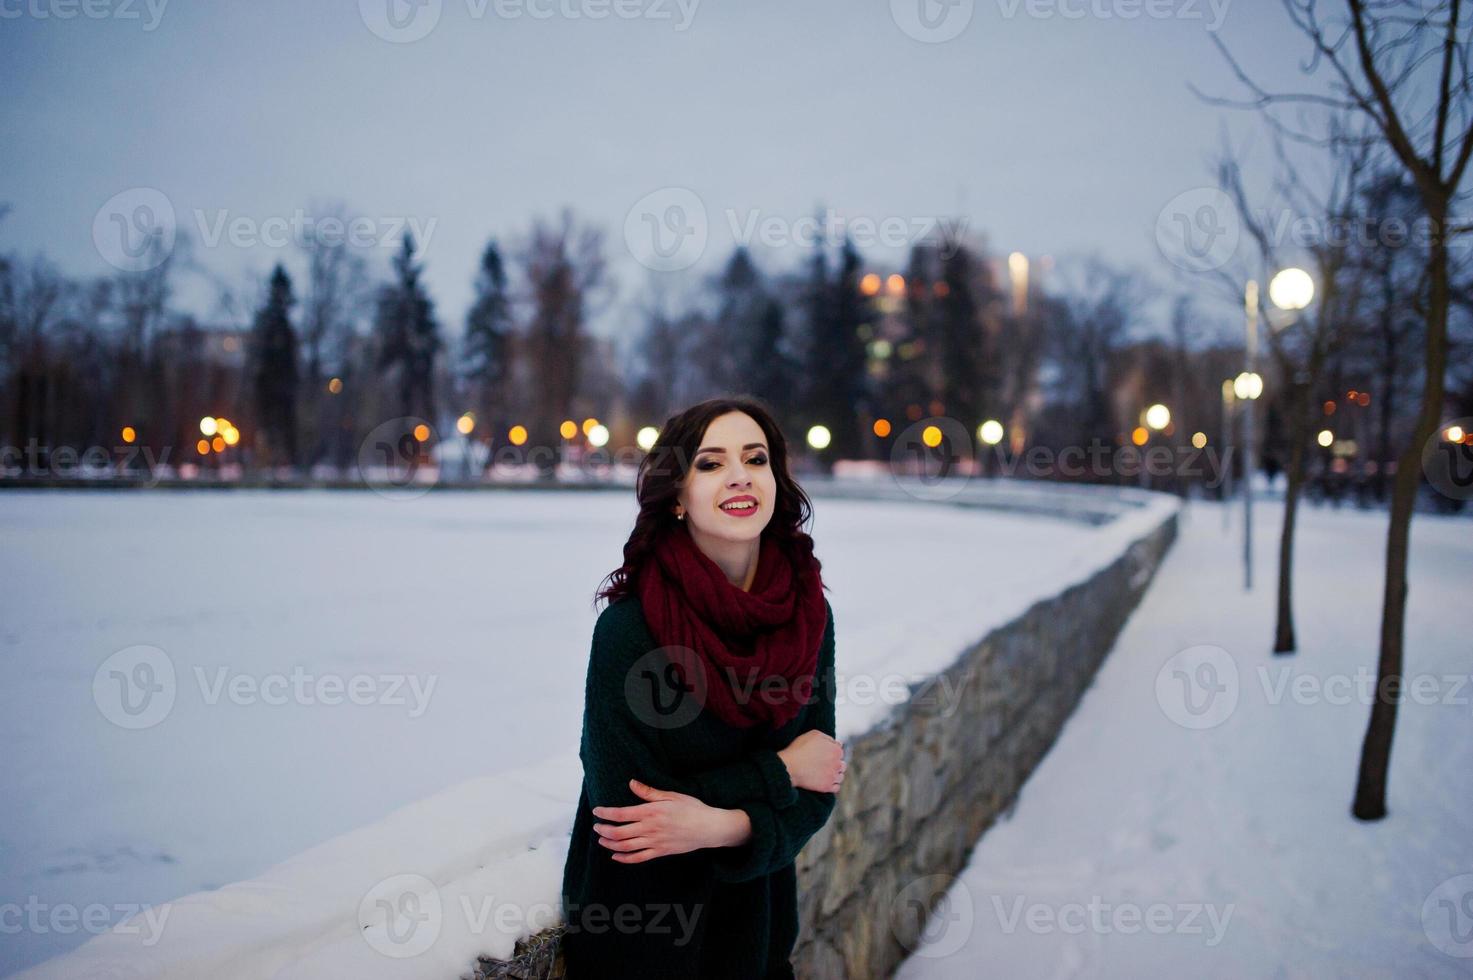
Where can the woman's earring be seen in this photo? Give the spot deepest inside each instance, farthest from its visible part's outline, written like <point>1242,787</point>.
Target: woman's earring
<point>680,516</point>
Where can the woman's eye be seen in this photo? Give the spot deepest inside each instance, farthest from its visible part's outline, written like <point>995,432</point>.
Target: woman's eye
<point>711,464</point>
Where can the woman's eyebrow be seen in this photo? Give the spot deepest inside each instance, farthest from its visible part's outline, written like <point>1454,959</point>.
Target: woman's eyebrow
<point>719,449</point>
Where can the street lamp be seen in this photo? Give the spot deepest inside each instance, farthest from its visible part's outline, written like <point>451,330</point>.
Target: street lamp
<point>1290,289</point>
<point>1248,386</point>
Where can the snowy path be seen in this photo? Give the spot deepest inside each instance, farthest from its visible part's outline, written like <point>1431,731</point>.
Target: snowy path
<point>1227,850</point>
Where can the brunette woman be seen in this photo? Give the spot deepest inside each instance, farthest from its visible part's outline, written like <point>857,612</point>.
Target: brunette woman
<point>708,748</point>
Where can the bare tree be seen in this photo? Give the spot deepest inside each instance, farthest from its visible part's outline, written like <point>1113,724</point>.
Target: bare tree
<point>1100,307</point>
<point>565,278</point>
<point>1301,346</point>
<point>336,295</point>
<point>1404,67</point>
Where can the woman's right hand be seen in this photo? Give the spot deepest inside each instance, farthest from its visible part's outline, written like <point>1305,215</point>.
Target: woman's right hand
<point>815,761</point>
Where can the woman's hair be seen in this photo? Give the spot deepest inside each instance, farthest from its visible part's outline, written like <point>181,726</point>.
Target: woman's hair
<point>662,472</point>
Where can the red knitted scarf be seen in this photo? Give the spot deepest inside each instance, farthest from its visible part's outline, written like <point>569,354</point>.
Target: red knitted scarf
<point>750,656</point>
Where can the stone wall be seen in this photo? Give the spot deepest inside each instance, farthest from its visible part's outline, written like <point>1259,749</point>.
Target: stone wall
<point>923,786</point>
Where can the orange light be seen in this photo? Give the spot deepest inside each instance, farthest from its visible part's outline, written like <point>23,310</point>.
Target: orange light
<point>203,447</point>
<point>882,427</point>
<point>335,386</point>
<point>1329,408</point>
<point>870,284</point>
<point>895,284</point>
<point>1350,395</point>
<point>517,434</point>
<point>588,425</point>
<point>218,444</point>
<point>1363,399</point>
<point>129,434</point>
<point>1140,435</point>
<point>422,432</point>
<point>931,436</point>
<point>568,429</point>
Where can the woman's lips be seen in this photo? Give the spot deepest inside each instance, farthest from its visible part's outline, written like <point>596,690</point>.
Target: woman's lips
<point>744,511</point>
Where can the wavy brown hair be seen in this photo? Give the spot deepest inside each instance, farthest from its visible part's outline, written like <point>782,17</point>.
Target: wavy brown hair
<point>662,474</point>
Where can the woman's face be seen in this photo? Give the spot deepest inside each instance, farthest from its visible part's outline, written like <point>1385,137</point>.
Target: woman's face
<point>732,463</point>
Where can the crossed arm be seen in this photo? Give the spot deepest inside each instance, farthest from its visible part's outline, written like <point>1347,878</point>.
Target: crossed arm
<point>760,820</point>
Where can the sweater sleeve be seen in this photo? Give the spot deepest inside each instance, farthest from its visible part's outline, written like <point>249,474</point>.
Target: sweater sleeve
<point>779,833</point>
<point>617,744</point>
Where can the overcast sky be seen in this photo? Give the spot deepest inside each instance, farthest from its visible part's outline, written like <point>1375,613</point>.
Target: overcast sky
<point>1047,126</point>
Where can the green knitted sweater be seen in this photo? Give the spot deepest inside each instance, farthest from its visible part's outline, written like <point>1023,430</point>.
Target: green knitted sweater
<point>714,912</point>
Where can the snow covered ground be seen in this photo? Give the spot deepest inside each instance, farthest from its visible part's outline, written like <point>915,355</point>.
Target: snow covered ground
<point>321,660</point>
<point>1193,818</point>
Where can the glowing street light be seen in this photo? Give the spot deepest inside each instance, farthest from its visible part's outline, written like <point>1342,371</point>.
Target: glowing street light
<point>208,426</point>
<point>1291,289</point>
<point>598,436</point>
<point>1326,438</point>
<point>1158,416</point>
<point>645,438</point>
<point>819,437</point>
<point>990,432</point>
<point>1248,385</point>
<point>1018,273</point>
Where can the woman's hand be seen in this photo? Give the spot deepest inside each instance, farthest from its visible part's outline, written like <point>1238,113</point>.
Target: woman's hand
<point>670,823</point>
<point>815,761</point>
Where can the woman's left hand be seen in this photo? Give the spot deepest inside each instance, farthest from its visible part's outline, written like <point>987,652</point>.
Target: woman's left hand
<point>670,823</point>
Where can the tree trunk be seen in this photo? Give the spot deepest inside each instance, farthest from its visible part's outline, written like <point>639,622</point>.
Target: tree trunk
<point>1284,632</point>
<point>1370,790</point>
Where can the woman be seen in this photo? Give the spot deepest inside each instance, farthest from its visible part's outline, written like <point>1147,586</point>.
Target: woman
<point>708,746</point>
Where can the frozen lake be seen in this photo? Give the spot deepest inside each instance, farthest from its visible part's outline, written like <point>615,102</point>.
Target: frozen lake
<point>337,655</point>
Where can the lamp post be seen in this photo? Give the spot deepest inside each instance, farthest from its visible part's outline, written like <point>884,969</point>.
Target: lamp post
<point>1247,386</point>
<point>1227,449</point>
